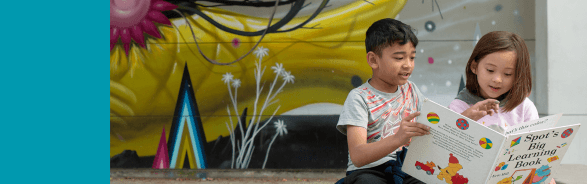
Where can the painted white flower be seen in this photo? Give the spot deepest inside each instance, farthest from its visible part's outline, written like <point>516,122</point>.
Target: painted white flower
<point>288,77</point>
<point>261,52</point>
<point>278,68</point>
<point>227,77</point>
<point>236,83</point>
<point>281,127</point>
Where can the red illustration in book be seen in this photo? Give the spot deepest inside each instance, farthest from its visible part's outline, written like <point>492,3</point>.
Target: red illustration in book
<point>567,133</point>
<point>449,172</point>
<point>459,179</point>
<point>501,166</point>
<point>462,124</point>
<point>428,167</point>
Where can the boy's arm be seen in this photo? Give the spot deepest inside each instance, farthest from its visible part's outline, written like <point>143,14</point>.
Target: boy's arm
<point>363,153</point>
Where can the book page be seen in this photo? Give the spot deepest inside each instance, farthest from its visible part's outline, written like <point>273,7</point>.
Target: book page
<point>530,157</point>
<point>537,124</point>
<point>458,150</point>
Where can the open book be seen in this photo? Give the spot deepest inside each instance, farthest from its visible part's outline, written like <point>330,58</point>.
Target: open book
<point>459,150</point>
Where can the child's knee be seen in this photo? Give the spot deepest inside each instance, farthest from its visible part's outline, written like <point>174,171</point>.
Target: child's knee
<point>365,176</point>
<point>369,178</point>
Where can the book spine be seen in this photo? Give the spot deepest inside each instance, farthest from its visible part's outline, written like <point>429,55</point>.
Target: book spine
<point>496,158</point>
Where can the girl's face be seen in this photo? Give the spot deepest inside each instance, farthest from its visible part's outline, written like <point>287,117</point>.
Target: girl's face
<point>495,73</point>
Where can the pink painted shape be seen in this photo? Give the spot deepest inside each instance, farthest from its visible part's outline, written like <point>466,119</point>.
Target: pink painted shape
<point>430,60</point>
<point>159,17</point>
<point>236,42</point>
<point>150,28</point>
<point>129,18</point>
<point>127,13</point>
<point>136,33</point>
<point>114,34</point>
<point>162,6</point>
<point>162,157</point>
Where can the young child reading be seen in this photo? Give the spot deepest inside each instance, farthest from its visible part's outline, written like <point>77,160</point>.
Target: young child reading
<point>498,82</point>
<point>376,115</point>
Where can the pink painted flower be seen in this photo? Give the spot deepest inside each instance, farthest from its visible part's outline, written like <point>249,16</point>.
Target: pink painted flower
<point>130,18</point>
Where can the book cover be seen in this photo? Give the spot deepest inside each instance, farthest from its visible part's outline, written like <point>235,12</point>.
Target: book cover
<point>460,150</point>
<point>529,157</point>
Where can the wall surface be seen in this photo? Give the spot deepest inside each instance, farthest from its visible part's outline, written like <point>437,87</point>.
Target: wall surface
<point>169,76</point>
<point>562,63</point>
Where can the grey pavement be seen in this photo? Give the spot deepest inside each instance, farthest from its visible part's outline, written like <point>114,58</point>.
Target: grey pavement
<point>563,174</point>
<point>221,180</point>
<point>236,176</point>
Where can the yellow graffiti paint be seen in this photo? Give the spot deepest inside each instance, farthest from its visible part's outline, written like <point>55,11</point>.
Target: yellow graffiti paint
<point>186,149</point>
<point>144,86</point>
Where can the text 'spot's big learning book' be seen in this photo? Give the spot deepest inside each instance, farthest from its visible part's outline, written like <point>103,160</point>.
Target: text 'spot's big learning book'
<point>459,150</point>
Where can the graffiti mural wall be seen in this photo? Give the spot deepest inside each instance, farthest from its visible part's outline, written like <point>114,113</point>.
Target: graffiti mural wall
<point>255,84</point>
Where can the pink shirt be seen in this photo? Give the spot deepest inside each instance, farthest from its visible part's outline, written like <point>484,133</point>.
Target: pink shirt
<point>526,111</point>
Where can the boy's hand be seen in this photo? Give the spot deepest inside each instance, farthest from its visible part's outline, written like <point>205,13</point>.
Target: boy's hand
<point>408,129</point>
<point>482,108</point>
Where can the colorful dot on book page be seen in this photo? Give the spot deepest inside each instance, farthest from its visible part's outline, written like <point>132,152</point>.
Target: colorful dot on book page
<point>567,133</point>
<point>462,124</point>
<point>433,118</point>
<point>430,60</point>
<point>485,143</point>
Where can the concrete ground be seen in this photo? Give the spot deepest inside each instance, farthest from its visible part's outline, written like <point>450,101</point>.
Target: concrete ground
<point>564,174</point>
<point>222,180</point>
<point>234,176</point>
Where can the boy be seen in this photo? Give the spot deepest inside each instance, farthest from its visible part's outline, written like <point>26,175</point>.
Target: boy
<point>376,115</point>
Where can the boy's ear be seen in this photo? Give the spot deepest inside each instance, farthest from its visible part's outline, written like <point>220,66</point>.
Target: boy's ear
<point>372,60</point>
<point>474,67</point>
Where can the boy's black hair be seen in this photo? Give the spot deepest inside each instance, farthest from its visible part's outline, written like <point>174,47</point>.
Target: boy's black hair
<point>385,32</point>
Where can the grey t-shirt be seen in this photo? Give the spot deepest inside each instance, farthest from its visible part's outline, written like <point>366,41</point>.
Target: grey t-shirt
<point>379,113</point>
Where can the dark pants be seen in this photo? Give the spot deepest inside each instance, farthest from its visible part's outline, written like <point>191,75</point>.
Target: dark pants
<point>389,173</point>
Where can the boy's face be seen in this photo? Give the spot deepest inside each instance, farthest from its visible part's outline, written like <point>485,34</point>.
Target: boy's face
<point>395,65</point>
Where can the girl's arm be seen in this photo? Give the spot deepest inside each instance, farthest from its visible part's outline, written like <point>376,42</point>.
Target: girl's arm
<point>477,111</point>
<point>458,106</point>
<point>530,111</point>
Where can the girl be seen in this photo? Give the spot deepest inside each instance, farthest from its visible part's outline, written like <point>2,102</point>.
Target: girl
<point>498,82</point>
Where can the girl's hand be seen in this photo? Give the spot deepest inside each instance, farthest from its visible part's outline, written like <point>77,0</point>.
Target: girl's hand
<point>482,108</point>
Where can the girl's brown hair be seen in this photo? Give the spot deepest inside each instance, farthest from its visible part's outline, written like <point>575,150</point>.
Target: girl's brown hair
<point>503,41</point>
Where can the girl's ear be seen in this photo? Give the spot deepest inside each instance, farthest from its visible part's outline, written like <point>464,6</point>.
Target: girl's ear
<point>372,60</point>
<point>474,67</point>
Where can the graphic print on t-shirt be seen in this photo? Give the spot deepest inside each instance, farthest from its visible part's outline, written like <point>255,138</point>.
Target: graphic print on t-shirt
<point>388,113</point>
